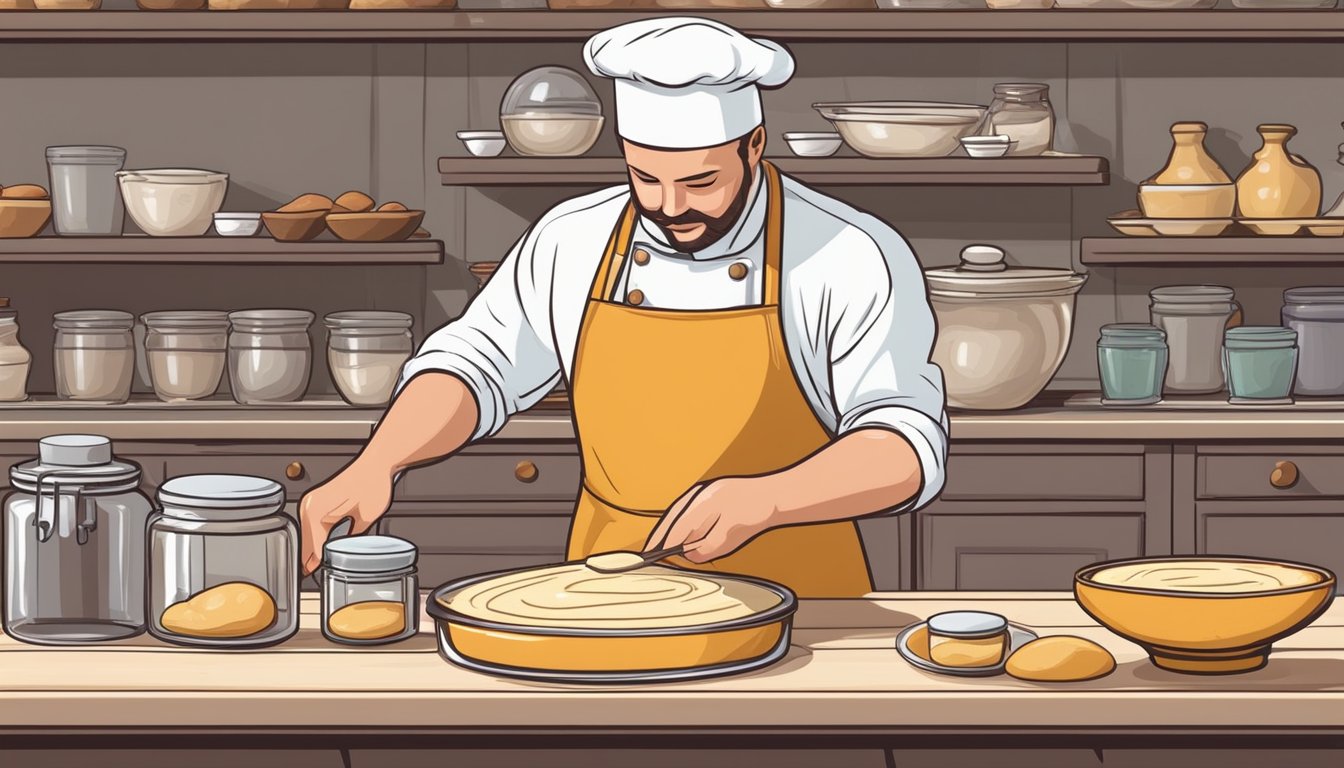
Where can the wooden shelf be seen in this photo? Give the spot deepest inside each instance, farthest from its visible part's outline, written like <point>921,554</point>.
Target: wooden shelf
<point>213,250</point>
<point>528,26</point>
<point>1190,251</point>
<point>1060,170</point>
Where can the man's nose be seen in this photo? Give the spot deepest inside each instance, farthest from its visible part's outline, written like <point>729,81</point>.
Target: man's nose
<point>674,202</point>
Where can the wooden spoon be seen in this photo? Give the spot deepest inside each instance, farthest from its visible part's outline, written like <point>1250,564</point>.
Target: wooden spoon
<point>620,562</point>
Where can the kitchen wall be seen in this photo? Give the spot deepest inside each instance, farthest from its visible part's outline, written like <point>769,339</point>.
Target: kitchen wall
<point>290,118</point>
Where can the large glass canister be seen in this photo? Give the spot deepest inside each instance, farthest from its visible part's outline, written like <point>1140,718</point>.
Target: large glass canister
<point>1194,318</point>
<point>551,111</point>
<point>1022,112</point>
<point>186,352</point>
<point>223,561</point>
<point>85,196</point>
<point>1317,314</point>
<point>370,594</point>
<point>94,355</point>
<point>365,352</point>
<point>1260,362</point>
<point>270,355</point>
<point>1132,361</point>
<point>75,544</point>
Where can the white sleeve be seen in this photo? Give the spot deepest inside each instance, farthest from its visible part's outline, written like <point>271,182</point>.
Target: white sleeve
<point>881,337</point>
<point>502,346</point>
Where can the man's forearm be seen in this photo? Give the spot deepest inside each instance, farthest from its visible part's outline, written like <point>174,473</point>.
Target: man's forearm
<point>862,473</point>
<point>432,417</point>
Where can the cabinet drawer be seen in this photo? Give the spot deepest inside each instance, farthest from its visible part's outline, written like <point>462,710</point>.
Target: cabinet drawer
<point>1268,476</point>
<point>1304,531</point>
<point>1020,552</point>
<point>483,534</point>
<point>309,470</point>
<point>1057,476</point>
<point>520,475</point>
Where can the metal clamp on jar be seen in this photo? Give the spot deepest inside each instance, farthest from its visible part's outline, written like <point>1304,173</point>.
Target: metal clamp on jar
<point>370,594</point>
<point>75,544</point>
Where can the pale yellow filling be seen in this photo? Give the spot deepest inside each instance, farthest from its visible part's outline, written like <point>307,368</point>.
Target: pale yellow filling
<point>1206,576</point>
<point>574,596</point>
<point>963,652</point>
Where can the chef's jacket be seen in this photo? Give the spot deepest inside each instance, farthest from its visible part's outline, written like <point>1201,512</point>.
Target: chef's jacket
<point>856,317</point>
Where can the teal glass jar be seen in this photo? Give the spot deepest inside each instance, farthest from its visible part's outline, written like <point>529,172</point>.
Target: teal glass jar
<point>1260,362</point>
<point>1132,361</point>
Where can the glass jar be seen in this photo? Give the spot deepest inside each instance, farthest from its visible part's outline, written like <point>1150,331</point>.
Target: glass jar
<point>15,359</point>
<point>1022,112</point>
<point>1260,363</point>
<point>370,594</point>
<point>85,197</point>
<point>1194,317</point>
<point>223,562</point>
<point>1317,314</point>
<point>95,355</point>
<point>365,352</point>
<point>270,355</point>
<point>75,544</point>
<point>967,639</point>
<point>1132,361</point>
<point>551,111</point>
<point>186,353</point>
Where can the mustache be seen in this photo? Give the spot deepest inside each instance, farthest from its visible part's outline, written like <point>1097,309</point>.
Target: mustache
<point>688,217</point>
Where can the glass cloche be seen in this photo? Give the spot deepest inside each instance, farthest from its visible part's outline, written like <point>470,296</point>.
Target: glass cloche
<point>551,111</point>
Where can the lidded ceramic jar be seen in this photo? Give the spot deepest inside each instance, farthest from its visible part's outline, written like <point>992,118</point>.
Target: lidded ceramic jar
<point>1192,185</point>
<point>551,111</point>
<point>1022,112</point>
<point>1194,318</point>
<point>1317,315</point>
<point>1002,331</point>
<point>1278,184</point>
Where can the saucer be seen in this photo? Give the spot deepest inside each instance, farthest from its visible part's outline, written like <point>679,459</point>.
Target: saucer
<point>1018,636</point>
<point>1133,225</point>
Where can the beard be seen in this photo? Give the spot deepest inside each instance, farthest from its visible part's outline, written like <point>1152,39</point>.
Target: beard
<point>715,226</point>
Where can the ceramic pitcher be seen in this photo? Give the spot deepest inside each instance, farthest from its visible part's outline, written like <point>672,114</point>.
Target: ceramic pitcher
<point>1190,162</point>
<point>1278,184</point>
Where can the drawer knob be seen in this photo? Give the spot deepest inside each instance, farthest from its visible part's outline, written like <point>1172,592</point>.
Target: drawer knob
<point>526,471</point>
<point>294,471</point>
<point>1284,475</point>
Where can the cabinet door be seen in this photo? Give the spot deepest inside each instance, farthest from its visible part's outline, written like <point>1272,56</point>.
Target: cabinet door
<point>1304,531</point>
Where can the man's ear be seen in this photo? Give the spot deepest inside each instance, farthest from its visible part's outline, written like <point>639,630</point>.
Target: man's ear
<point>756,145</point>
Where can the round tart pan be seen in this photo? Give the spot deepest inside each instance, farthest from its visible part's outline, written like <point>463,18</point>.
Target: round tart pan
<point>600,655</point>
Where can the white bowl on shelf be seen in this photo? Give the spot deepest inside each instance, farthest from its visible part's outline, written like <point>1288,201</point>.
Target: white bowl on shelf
<point>813,143</point>
<point>903,128</point>
<point>482,143</point>
<point>988,146</point>
<point>235,224</point>
<point>173,202</point>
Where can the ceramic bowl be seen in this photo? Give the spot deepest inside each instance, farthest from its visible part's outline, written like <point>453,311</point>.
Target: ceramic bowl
<point>1204,632</point>
<point>237,224</point>
<point>903,128</point>
<point>552,135</point>
<point>1187,201</point>
<point>817,144</point>
<point>987,146</point>
<point>374,226</point>
<point>483,143</point>
<point>23,218</point>
<point>295,226</point>
<point>1273,227</point>
<point>173,202</point>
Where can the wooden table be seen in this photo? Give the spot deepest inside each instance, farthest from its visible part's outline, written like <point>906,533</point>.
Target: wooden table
<point>842,687</point>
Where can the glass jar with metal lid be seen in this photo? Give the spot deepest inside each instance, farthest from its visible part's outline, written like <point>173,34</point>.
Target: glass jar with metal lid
<point>186,353</point>
<point>223,563</point>
<point>95,355</point>
<point>968,639</point>
<point>370,594</point>
<point>270,355</point>
<point>75,544</point>
<point>1131,361</point>
<point>1194,318</point>
<point>1317,314</point>
<point>365,352</point>
<point>1261,362</point>
<point>1022,112</point>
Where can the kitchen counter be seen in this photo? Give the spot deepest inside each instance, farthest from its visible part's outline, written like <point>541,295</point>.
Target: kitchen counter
<point>842,684</point>
<point>1072,417</point>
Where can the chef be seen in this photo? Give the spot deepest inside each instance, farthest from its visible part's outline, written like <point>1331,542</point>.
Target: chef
<point>748,359</point>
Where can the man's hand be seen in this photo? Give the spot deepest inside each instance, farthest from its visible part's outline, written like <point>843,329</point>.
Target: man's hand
<point>359,493</point>
<point>715,519</point>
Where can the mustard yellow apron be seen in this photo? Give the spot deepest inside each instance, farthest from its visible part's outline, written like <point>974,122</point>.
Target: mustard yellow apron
<point>665,399</point>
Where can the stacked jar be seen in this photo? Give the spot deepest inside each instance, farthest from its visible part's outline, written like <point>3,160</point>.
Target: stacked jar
<point>95,355</point>
<point>1194,318</point>
<point>365,352</point>
<point>1132,360</point>
<point>1317,315</point>
<point>1022,112</point>
<point>270,355</point>
<point>186,353</point>
<point>15,359</point>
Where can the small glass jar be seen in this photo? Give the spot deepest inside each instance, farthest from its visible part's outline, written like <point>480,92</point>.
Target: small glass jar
<point>95,355</point>
<point>365,352</point>
<point>1022,112</point>
<point>968,639</point>
<point>370,594</point>
<point>1132,362</point>
<point>270,355</point>
<point>1194,317</point>
<point>1317,314</point>
<point>1260,362</point>
<point>186,353</point>
<point>223,562</point>
<point>15,359</point>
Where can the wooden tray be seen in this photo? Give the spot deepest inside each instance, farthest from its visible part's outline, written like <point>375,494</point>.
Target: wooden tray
<point>566,5</point>
<point>401,5</point>
<point>278,5</point>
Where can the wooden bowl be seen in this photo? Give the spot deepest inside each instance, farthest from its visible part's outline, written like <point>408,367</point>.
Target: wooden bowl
<point>23,218</point>
<point>375,226</point>
<point>294,226</point>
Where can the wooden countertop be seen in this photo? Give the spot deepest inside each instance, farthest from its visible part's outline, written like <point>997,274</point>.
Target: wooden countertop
<point>1067,417</point>
<point>843,673</point>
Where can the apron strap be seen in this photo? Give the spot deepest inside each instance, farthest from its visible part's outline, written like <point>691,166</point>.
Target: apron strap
<point>613,258</point>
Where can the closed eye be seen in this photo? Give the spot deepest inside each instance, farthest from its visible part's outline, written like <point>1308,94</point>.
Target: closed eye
<point>701,185</point>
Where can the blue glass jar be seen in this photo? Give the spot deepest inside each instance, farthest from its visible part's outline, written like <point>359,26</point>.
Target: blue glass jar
<point>1260,362</point>
<point>1132,361</point>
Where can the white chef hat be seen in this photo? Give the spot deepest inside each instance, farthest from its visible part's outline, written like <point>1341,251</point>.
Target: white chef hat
<point>686,83</point>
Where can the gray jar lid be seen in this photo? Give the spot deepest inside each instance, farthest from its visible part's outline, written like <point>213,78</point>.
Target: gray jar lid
<point>967,624</point>
<point>191,319</point>
<point>220,497</point>
<point>84,461</point>
<point>1133,331</point>
<point>368,320</point>
<point>1191,294</point>
<point>369,554</point>
<point>277,320</point>
<point>87,153</point>
<point>93,320</point>
<point>1316,294</point>
<point>1256,335</point>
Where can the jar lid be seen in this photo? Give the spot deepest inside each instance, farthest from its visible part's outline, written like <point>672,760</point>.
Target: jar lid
<point>1316,294</point>
<point>368,320</point>
<point>1020,89</point>
<point>1249,335</point>
<point>93,320</point>
<point>967,624</point>
<point>84,461</point>
<point>191,319</point>
<point>1192,294</point>
<point>1134,331</point>
<point>86,152</point>
<point>550,91</point>
<point>983,272</point>
<point>369,554</point>
<point>271,319</point>
<point>220,497</point>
